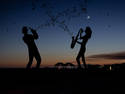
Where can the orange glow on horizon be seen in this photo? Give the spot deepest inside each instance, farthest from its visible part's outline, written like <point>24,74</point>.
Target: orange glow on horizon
<point>45,63</point>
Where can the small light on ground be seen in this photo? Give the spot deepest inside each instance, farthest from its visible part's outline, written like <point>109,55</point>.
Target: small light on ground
<point>110,68</point>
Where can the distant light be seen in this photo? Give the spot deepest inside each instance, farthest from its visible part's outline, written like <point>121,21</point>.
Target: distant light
<point>110,68</point>
<point>88,17</point>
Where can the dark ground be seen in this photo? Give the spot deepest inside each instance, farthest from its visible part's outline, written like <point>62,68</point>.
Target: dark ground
<point>64,81</point>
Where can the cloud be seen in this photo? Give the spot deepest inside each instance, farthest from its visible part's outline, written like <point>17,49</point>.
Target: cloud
<point>116,56</point>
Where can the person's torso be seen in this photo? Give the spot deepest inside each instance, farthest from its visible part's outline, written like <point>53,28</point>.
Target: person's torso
<point>84,41</point>
<point>29,40</point>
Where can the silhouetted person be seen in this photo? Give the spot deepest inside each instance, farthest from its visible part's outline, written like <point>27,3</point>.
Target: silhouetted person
<point>84,39</point>
<point>33,51</point>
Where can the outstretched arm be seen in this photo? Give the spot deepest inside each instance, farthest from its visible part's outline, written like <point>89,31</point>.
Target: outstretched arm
<point>35,35</point>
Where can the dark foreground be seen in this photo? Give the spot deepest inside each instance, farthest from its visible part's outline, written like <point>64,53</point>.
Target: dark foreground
<point>65,81</point>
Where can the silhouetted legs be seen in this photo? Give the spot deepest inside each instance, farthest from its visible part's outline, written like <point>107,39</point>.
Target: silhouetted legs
<point>30,61</point>
<point>38,59</point>
<point>78,60</point>
<point>83,60</point>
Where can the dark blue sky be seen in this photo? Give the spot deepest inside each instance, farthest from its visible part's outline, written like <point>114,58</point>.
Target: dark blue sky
<point>106,20</point>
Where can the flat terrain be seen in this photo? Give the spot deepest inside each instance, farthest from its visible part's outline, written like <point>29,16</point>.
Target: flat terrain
<point>63,81</point>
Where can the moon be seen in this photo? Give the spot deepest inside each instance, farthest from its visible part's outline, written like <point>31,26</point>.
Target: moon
<point>88,17</point>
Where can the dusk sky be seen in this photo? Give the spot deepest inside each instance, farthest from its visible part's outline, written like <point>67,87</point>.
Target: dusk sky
<point>105,17</point>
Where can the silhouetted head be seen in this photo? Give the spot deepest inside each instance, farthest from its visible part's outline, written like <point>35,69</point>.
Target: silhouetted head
<point>88,31</point>
<point>24,30</point>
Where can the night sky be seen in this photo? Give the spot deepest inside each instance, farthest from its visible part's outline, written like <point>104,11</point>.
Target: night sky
<point>105,17</point>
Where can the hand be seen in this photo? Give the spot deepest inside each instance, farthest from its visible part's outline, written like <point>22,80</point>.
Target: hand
<point>32,30</point>
<point>81,30</point>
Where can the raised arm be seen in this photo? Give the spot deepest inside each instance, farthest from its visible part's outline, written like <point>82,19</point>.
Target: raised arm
<point>35,35</point>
